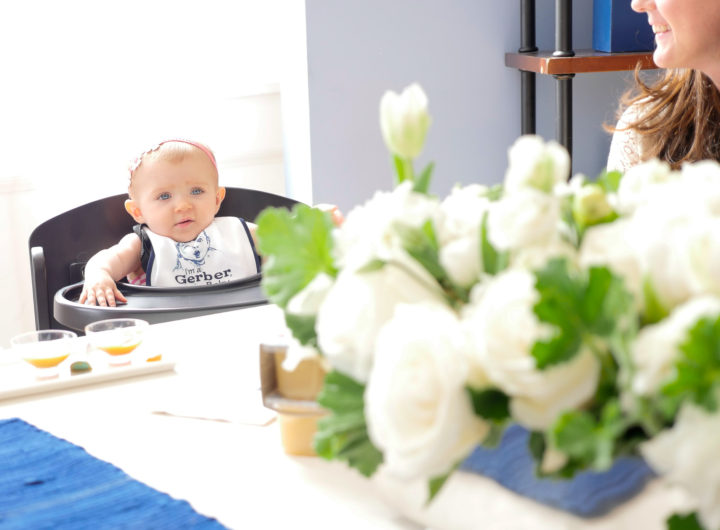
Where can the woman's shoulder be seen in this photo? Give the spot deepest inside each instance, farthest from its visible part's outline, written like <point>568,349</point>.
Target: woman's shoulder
<point>626,146</point>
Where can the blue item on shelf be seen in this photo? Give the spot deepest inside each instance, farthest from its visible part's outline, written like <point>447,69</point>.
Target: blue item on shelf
<point>587,494</point>
<point>617,28</point>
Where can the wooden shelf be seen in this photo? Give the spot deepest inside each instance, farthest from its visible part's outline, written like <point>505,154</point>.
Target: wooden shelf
<point>584,61</point>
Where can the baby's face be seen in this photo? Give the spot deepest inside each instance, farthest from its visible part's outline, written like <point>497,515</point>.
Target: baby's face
<point>176,199</point>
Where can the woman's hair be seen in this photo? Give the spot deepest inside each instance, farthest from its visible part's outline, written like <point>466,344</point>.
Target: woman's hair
<point>678,117</point>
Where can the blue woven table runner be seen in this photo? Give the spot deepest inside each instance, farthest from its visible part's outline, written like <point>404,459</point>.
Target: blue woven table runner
<point>46,482</point>
<point>587,494</point>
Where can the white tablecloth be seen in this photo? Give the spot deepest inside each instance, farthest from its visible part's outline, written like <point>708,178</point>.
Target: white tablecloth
<point>236,471</point>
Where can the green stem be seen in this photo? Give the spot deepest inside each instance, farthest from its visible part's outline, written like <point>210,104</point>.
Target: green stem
<point>404,169</point>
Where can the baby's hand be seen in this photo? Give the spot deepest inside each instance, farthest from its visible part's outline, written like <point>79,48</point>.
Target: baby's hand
<point>334,211</point>
<point>101,290</point>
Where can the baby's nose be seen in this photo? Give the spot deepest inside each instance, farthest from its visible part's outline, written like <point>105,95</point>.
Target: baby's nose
<point>182,204</point>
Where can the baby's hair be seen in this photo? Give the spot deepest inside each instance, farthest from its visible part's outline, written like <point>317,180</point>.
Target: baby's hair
<point>171,150</point>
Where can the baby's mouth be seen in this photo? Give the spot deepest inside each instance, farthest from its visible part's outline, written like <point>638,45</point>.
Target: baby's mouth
<point>184,222</point>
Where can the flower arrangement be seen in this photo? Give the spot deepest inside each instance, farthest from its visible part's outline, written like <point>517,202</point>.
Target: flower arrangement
<point>586,311</point>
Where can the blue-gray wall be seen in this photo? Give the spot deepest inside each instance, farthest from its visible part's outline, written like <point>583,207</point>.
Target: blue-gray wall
<point>357,49</point>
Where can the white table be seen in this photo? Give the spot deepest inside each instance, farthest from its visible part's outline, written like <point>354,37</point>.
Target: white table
<point>238,473</point>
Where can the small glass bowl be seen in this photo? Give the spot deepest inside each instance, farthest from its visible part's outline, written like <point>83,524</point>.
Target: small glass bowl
<point>118,337</point>
<point>45,349</point>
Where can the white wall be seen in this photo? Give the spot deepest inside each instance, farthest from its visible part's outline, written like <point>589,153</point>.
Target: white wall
<point>455,49</point>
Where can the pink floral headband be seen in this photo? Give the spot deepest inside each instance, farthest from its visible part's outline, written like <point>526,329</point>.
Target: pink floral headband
<point>136,163</point>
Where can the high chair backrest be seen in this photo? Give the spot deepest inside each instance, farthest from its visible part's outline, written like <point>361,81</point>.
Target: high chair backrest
<point>60,247</point>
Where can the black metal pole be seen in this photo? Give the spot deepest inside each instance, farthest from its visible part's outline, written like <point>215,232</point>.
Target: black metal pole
<point>563,126</point>
<point>563,29</point>
<point>527,26</point>
<point>527,79</point>
<point>527,100</point>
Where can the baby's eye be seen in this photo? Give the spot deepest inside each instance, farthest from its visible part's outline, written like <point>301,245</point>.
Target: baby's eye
<point>163,196</point>
<point>197,191</point>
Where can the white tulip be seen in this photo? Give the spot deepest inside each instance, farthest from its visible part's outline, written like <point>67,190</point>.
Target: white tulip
<point>504,328</point>
<point>687,455</point>
<point>418,412</point>
<point>404,121</point>
<point>536,164</point>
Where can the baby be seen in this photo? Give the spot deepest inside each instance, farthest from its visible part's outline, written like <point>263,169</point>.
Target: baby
<point>174,196</point>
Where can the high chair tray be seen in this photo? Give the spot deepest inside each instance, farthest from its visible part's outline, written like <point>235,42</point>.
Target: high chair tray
<point>159,304</point>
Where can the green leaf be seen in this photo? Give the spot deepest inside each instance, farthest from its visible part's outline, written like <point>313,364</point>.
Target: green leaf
<point>697,370</point>
<point>579,305</point>
<point>303,328</point>
<point>654,309</point>
<point>590,440</point>
<point>609,181</point>
<point>491,404</point>
<point>494,436</point>
<point>493,261</point>
<point>435,484</point>
<point>605,299</point>
<point>422,183</point>
<point>342,435</point>
<point>296,247</point>
<point>684,522</point>
<point>421,243</point>
<point>372,266</point>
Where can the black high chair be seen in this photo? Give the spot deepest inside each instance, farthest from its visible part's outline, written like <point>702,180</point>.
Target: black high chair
<point>60,247</point>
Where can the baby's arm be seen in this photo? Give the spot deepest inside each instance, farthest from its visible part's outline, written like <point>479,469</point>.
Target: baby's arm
<point>108,266</point>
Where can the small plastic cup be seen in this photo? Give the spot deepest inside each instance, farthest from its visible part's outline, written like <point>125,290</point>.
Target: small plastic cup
<point>45,349</point>
<point>118,337</point>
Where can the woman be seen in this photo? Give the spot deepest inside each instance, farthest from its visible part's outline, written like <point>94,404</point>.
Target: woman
<point>677,119</point>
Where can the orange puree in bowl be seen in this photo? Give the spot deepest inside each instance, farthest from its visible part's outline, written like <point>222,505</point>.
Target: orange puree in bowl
<point>46,362</point>
<point>119,350</point>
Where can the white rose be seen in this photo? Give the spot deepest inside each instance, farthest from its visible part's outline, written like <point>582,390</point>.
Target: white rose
<point>404,121</point>
<point>526,217</point>
<point>457,226</point>
<point>504,328</point>
<point>536,164</point>
<point>357,306</point>
<point>418,411</point>
<point>640,183</point>
<point>610,245</point>
<point>533,257</point>
<point>369,232</point>
<point>679,254</point>
<point>308,301</point>
<point>296,353</point>
<point>702,181</point>
<point>687,455</point>
<point>655,348</point>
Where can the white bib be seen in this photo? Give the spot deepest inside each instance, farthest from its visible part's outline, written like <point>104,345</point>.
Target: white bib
<point>221,253</point>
